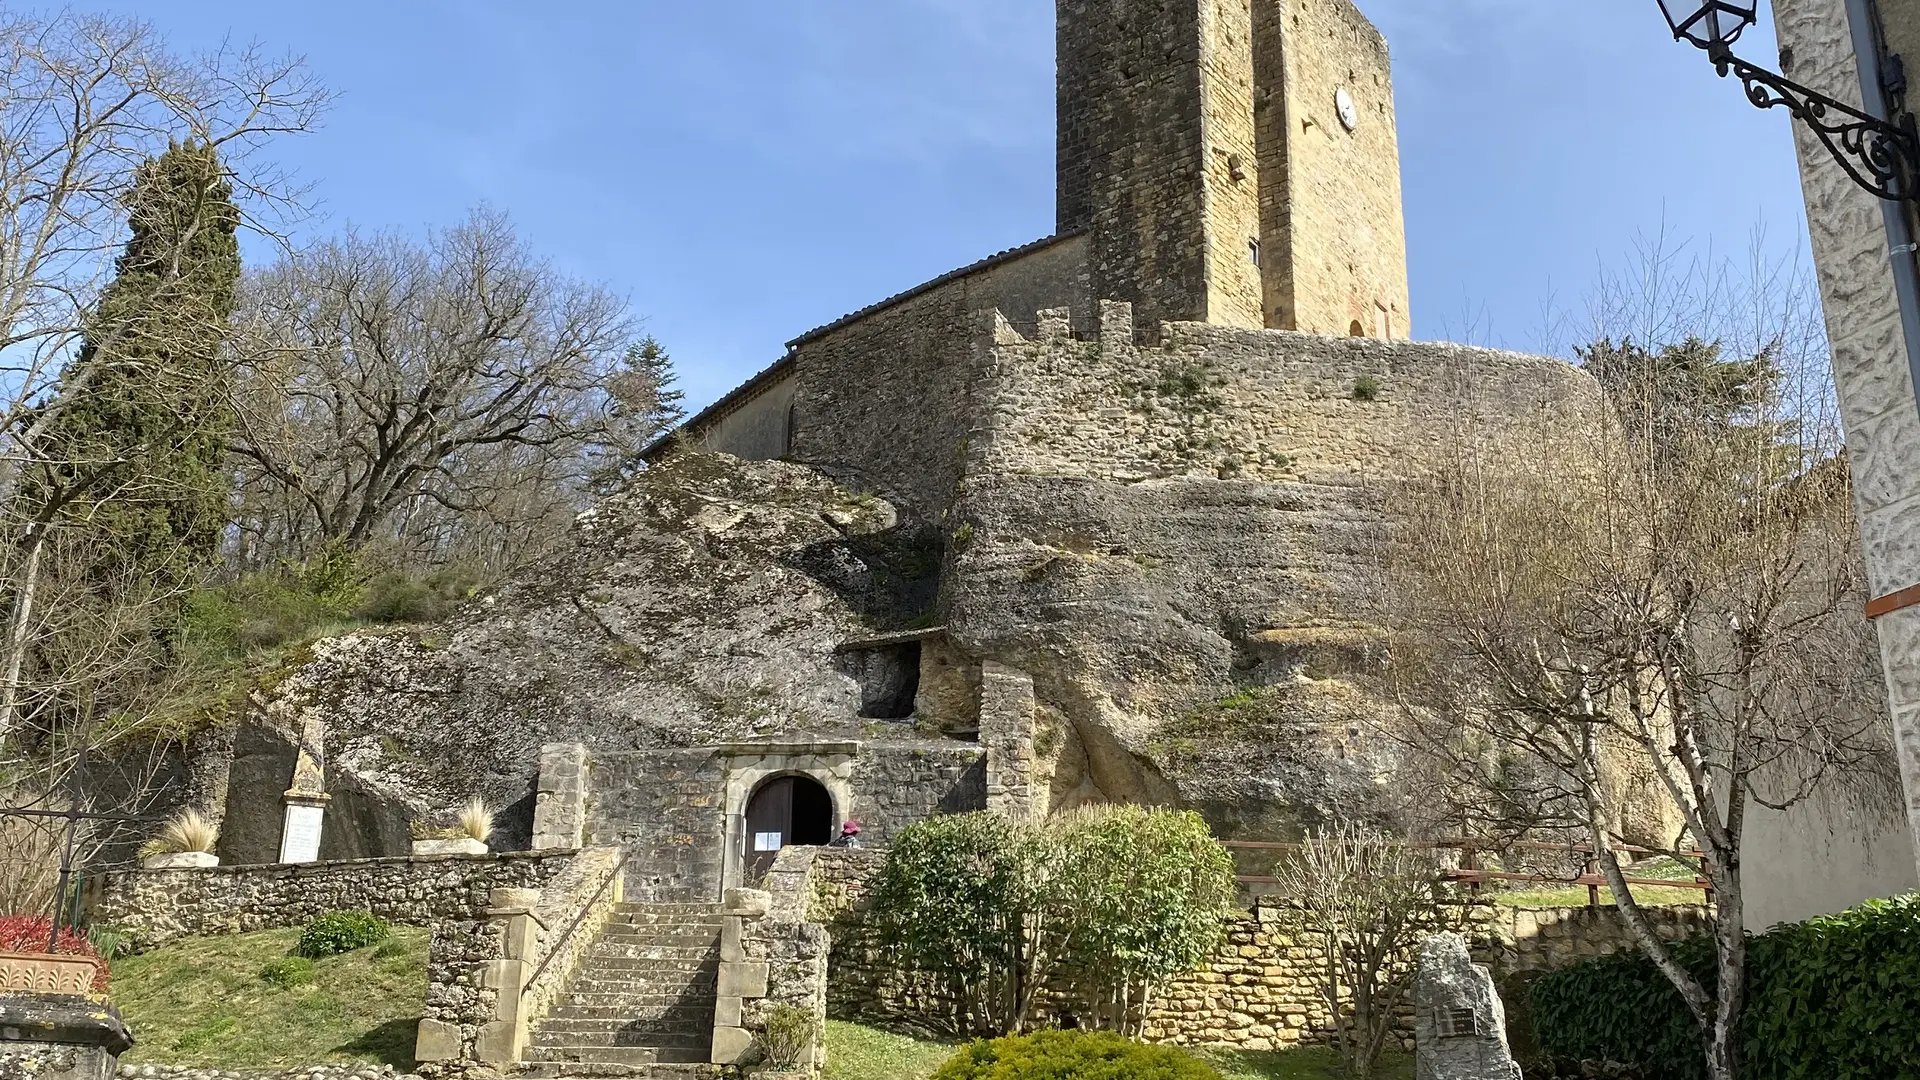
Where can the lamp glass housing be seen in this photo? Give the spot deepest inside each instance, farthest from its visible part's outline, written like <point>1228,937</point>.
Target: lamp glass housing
<point>1709,24</point>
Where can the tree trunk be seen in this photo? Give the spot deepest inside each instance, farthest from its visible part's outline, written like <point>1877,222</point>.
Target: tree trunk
<point>35,543</point>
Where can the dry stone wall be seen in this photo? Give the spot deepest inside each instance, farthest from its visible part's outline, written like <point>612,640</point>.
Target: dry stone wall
<point>156,906</point>
<point>1259,992</point>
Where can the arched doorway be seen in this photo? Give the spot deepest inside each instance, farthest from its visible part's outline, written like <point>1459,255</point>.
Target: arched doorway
<point>786,811</point>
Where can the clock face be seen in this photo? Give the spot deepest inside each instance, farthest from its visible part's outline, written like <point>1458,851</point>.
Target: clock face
<point>1349,114</point>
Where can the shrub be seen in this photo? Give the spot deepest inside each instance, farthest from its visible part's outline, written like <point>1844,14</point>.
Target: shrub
<point>28,934</point>
<point>188,830</point>
<point>789,1032</point>
<point>1366,388</point>
<point>1145,894</point>
<point>339,932</point>
<point>1118,900</point>
<point>1836,997</point>
<point>288,972</point>
<point>396,597</point>
<point>1071,1055</point>
<point>956,902</point>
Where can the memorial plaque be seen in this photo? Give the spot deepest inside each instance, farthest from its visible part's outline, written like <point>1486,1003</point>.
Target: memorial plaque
<point>300,840</point>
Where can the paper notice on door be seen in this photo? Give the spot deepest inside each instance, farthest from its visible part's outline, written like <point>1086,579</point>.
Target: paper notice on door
<point>766,841</point>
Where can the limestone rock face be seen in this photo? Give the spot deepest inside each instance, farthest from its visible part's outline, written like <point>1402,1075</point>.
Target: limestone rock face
<point>1460,1025</point>
<point>702,605</point>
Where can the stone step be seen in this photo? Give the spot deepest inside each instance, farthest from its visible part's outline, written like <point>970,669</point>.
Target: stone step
<point>624,1031</point>
<point>684,909</point>
<point>665,1053</point>
<point>661,1005</point>
<point>587,989</point>
<point>630,967</point>
<point>657,1071</point>
<point>663,922</point>
<point>653,950</point>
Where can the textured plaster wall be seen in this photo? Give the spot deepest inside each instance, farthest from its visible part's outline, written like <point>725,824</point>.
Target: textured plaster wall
<point>1876,391</point>
<point>884,398</point>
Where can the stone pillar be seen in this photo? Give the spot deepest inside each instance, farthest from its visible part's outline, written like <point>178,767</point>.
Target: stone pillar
<point>1459,1024</point>
<point>560,800</point>
<point>1006,734</point>
<point>741,979</point>
<point>60,1037</point>
<point>502,1040</point>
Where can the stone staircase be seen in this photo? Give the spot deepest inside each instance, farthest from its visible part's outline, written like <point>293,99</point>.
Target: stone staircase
<point>641,1004</point>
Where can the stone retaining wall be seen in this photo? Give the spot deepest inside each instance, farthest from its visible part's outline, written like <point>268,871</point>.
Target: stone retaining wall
<point>154,907</point>
<point>1260,992</point>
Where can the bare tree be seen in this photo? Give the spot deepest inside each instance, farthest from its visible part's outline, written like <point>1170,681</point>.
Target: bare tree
<point>1670,580</point>
<point>425,395</point>
<point>1369,900</point>
<point>84,100</point>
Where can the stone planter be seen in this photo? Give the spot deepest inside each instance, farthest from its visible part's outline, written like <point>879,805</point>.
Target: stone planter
<point>180,860</point>
<point>466,845</point>
<point>41,973</point>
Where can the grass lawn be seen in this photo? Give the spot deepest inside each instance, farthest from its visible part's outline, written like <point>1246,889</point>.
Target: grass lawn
<point>855,1052</point>
<point>202,1002</point>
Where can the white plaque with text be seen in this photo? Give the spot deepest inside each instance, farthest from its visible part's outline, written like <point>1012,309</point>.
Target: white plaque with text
<point>300,841</point>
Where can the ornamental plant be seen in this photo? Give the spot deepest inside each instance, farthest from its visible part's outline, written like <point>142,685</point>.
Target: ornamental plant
<point>1072,1055</point>
<point>29,933</point>
<point>985,912</point>
<point>1144,895</point>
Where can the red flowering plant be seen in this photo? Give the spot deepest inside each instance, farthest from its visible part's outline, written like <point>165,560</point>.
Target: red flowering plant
<point>28,934</point>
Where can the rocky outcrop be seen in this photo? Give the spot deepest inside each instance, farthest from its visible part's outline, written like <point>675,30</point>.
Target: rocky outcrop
<point>702,605</point>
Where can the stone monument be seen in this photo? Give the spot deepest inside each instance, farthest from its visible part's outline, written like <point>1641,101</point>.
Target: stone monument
<point>1459,1027</point>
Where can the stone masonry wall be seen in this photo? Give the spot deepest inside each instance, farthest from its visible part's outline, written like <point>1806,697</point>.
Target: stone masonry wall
<point>157,906</point>
<point>1331,203</point>
<point>884,395</point>
<point>1260,992</point>
<point>1131,150</point>
<point>664,807</point>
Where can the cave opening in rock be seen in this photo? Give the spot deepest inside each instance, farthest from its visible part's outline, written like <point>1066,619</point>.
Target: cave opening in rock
<point>889,678</point>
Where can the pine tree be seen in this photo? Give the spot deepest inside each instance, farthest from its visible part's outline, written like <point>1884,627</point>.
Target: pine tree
<point>133,465</point>
<point>644,404</point>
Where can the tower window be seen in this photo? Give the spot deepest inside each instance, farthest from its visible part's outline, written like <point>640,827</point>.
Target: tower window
<point>1253,249</point>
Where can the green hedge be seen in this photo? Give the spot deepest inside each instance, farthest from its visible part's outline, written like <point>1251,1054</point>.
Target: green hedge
<point>1071,1055</point>
<point>1833,998</point>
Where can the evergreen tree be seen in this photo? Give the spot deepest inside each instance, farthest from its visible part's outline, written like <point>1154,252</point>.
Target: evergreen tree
<point>132,467</point>
<point>644,404</point>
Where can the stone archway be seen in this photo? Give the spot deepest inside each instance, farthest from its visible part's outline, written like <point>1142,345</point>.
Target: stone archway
<point>787,811</point>
<point>751,767</point>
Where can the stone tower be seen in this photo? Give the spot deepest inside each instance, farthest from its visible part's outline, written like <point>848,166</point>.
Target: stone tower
<point>1234,162</point>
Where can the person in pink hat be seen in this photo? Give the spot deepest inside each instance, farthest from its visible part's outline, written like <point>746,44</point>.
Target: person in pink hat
<point>849,835</point>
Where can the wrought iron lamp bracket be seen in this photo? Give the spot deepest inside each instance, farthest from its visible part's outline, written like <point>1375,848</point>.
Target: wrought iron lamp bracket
<point>1882,157</point>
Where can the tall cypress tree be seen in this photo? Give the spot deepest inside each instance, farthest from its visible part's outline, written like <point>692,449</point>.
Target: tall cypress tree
<point>133,465</point>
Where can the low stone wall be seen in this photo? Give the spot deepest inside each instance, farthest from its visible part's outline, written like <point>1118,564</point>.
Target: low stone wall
<point>156,906</point>
<point>493,973</point>
<point>771,955</point>
<point>1261,991</point>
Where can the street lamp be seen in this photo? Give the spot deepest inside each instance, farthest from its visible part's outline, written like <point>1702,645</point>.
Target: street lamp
<point>1881,156</point>
<point>1709,24</point>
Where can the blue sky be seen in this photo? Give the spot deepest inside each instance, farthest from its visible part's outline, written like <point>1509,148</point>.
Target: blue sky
<point>745,171</point>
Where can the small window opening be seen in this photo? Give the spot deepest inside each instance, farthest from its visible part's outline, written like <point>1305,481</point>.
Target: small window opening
<point>1356,330</point>
<point>1253,249</point>
<point>889,678</point>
